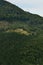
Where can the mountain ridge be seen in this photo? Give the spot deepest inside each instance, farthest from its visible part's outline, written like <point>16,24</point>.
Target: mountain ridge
<point>11,17</point>
<point>8,11</point>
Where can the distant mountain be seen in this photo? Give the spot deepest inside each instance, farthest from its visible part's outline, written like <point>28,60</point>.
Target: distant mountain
<point>11,13</point>
<point>11,17</point>
<point>21,36</point>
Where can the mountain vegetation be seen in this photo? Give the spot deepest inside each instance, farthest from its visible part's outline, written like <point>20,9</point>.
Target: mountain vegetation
<point>21,36</point>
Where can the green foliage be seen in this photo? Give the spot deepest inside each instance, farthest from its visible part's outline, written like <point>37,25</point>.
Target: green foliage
<point>16,49</point>
<point>10,13</point>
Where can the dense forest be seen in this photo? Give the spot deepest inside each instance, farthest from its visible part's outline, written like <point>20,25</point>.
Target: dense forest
<point>17,48</point>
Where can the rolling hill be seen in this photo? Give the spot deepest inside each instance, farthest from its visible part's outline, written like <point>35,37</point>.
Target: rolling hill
<point>21,36</point>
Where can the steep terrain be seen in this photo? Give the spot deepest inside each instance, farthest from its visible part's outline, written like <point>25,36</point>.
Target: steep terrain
<point>10,12</point>
<point>21,36</point>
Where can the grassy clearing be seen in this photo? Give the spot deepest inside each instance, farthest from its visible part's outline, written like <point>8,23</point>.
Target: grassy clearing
<point>21,31</point>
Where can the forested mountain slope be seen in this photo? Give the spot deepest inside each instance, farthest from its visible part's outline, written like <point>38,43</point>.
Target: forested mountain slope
<point>21,36</point>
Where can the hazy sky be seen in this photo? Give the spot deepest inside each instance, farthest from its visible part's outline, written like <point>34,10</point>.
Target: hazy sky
<point>33,6</point>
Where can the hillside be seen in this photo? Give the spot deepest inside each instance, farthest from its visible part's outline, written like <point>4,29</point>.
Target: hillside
<point>10,12</point>
<point>21,36</point>
<point>17,49</point>
<point>11,16</point>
